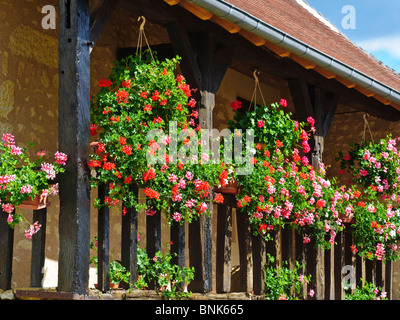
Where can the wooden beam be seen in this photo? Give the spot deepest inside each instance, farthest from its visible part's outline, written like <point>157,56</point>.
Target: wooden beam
<point>227,25</point>
<point>382,100</point>
<point>303,62</point>
<point>172,2</point>
<point>364,91</point>
<point>332,102</point>
<point>319,115</point>
<point>74,136</point>
<point>301,98</point>
<point>182,46</point>
<point>99,19</point>
<point>253,38</point>
<point>199,12</point>
<point>280,51</point>
<point>349,84</point>
<point>325,72</point>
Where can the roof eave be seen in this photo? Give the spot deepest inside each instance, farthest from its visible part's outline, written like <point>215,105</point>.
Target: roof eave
<point>262,29</point>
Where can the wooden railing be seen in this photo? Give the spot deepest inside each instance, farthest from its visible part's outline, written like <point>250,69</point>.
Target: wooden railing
<point>7,246</point>
<point>326,267</point>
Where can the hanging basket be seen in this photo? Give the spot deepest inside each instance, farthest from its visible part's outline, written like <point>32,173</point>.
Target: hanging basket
<point>41,201</point>
<point>231,188</point>
<point>95,146</point>
<point>347,218</point>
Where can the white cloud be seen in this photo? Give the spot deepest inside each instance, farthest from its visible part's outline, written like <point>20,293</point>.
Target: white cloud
<point>389,44</point>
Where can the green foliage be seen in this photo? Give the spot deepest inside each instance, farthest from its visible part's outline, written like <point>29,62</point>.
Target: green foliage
<point>283,283</point>
<point>375,171</point>
<point>168,276</point>
<point>22,178</point>
<point>147,126</point>
<point>367,291</point>
<point>282,189</point>
<point>118,273</point>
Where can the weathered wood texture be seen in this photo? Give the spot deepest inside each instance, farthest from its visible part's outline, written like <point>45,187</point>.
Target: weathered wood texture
<point>6,252</point>
<point>99,19</point>
<point>38,248</point>
<point>74,121</point>
<point>103,243</point>
<point>129,239</point>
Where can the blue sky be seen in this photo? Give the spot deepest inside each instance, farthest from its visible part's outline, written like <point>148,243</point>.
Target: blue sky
<point>376,25</point>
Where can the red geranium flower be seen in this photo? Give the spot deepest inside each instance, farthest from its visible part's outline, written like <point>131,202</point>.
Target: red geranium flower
<point>236,105</point>
<point>149,174</point>
<point>219,198</point>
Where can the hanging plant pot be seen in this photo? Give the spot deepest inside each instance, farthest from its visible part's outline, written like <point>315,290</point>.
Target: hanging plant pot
<point>347,218</point>
<point>231,188</point>
<point>39,202</point>
<point>95,145</point>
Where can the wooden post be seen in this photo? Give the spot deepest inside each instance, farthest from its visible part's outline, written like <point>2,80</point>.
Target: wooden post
<point>388,284</point>
<point>259,260</point>
<point>103,243</point>
<point>178,243</point>
<point>205,68</point>
<point>195,259</point>
<point>38,248</point>
<point>245,251</point>
<point>74,121</point>
<point>153,234</point>
<point>337,264</point>
<point>6,252</point>
<point>224,240</point>
<point>129,240</point>
<point>177,236</point>
<point>153,237</point>
<point>315,267</point>
<point>311,101</point>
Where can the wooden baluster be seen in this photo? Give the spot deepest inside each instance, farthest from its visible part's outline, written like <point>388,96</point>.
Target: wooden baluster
<point>329,275</point>
<point>103,243</point>
<point>300,256</point>
<point>129,240</point>
<point>315,267</point>
<point>224,240</point>
<point>388,279</point>
<point>177,236</point>
<point>38,248</point>
<point>245,251</point>
<point>6,252</point>
<point>153,233</point>
<point>196,259</point>
<point>153,236</point>
<point>206,235</point>
<point>259,260</point>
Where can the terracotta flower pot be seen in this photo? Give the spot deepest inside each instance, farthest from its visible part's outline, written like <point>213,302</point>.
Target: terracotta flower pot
<point>39,202</point>
<point>347,218</point>
<point>95,146</point>
<point>231,188</point>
